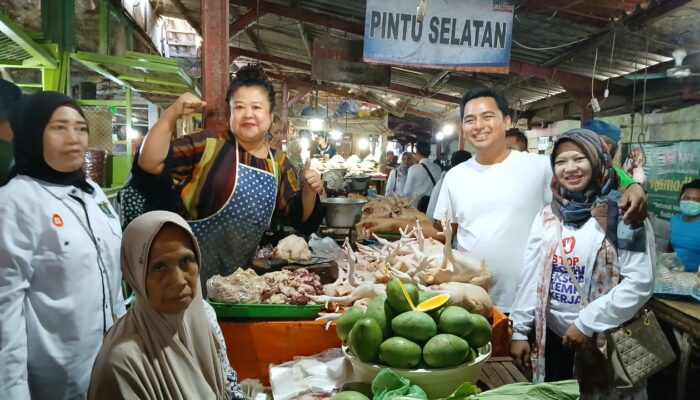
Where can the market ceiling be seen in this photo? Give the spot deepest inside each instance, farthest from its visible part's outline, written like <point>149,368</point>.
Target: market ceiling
<point>553,52</point>
<point>554,46</point>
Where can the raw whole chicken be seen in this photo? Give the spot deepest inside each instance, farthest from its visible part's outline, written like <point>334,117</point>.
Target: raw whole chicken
<point>293,248</point>
<point>392,207</point>
<point>470,297</point>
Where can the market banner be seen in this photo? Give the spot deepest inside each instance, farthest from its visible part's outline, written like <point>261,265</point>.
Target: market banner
<point>465,35</point>
<point>667,166</point>
<point>340,60</point>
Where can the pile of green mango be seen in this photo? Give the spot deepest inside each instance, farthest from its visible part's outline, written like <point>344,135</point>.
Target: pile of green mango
<point>392,333</point>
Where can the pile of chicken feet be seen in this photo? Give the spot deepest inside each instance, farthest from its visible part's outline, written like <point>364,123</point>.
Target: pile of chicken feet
<point>432,266</point>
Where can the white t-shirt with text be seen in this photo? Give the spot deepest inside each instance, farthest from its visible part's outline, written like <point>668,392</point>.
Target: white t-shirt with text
<point>494,206</point>
<point>579,246</point>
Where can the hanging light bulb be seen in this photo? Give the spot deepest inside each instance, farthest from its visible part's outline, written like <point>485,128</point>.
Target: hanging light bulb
<point>335,134</point>
<point>448,129</point>
<point>315,124</point>
<point>363,144</point>
<point>439,136</point>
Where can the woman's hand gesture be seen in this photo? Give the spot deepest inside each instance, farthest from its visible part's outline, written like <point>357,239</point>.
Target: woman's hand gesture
<point>312,179</point>
<point>187,104</point>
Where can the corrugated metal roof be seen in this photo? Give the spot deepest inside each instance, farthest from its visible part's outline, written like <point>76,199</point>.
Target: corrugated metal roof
<point>547,37</point>
<point>544,30</point>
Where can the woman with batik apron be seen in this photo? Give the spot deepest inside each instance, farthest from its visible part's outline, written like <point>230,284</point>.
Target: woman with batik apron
<point>227,185</point>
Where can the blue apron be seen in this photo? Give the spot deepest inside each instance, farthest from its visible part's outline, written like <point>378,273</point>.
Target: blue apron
<point>229,238</point>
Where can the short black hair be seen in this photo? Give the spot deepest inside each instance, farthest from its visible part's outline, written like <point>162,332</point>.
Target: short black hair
<point>518,135</point>
<point>484,92</point>
<point>9,96</point>
<point>423,148</point>
<point>694,184</point>
<point>251,75</point>
<point>459,157</point>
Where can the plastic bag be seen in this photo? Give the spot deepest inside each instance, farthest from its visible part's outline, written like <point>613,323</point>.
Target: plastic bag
<point>319,374</point>
<point>390,385</point>
<point>696,289</point>
<point>347,107</point>
<point>670,277</point>
<point>325,248</point>
<point>670,261</point>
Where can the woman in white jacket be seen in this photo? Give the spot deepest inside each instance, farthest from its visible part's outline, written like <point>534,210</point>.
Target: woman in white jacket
<point>611,262</point>
<point>60,282</point>
<point>397,177</point>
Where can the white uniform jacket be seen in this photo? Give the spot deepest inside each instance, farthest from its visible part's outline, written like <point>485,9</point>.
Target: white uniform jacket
<point>60,284</point>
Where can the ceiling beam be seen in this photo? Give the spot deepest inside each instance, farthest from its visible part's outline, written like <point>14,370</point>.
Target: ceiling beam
<point>437,78</point>
<point>311,17</point>
<point>303,91</point>
<point>576,84</point>
<point>307,83</point>
<point>573,81</point>
<point>444,98</point>
<point>186,14</point>
<point>255,40</point>
<point>344,92</point>
<point>305,39</point>
<point>235,52</point>
<point>244,22</point>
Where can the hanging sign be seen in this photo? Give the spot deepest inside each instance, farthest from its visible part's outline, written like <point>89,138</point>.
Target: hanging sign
<point>667,166</point>
<point>465,35</point>
<point>340,60</point>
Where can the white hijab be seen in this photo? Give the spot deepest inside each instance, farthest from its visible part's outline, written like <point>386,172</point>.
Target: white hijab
<point>151,355</point>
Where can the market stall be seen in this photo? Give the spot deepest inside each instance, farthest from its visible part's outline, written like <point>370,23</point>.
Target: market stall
<point>683,316</point>
<point>290,285</point>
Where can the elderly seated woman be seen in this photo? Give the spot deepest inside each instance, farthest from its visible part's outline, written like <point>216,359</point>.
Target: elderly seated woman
<point>164,347</point>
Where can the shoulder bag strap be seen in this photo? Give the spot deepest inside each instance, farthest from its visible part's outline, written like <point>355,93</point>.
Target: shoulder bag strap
<point>429,174</point>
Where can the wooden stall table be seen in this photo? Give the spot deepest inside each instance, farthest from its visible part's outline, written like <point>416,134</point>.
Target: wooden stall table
<point>379,184</point>
<point>684,318</point>
<point>252,345</point>
<point>500,371</point>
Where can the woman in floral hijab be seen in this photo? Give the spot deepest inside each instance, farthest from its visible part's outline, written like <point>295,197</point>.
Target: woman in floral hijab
<point>580,241</point>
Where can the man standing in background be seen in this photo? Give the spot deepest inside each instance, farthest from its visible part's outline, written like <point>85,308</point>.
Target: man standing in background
<point>421,178</point>
<point>516,140</point>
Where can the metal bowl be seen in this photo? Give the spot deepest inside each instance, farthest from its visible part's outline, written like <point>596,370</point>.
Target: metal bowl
<point>341,171</point>
<point>358,183</point>
<point>342,212</point>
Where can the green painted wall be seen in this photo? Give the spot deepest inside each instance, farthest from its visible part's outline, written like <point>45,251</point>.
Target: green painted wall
<point>683,124</point>
<point>679,125</point>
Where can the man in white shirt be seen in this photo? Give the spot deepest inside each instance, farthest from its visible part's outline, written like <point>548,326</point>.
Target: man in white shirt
<point>494,197</point>
<point>421,178</point>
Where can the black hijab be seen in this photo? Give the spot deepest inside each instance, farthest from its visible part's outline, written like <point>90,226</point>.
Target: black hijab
<point>28,122</point>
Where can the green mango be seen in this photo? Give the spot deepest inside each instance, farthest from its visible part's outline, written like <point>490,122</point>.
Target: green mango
<point>347,321</point>
<point>379,310</point>
<point>397,299</point>
<point>365,339</point>
<point>414,325</point>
